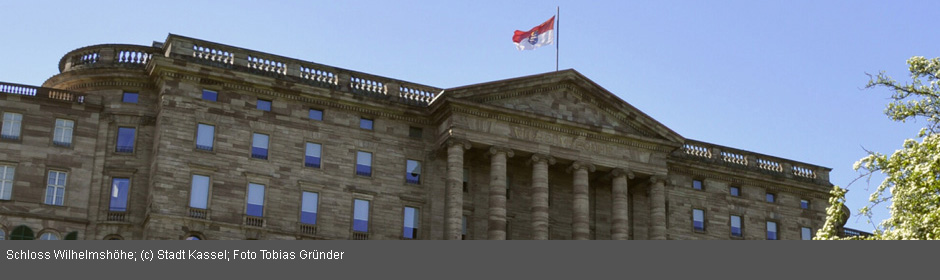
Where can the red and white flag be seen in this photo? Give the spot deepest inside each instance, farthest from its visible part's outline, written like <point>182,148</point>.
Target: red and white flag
<point>543,34</point>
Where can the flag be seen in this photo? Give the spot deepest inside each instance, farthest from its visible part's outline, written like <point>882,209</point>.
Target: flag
<point>543,34</point>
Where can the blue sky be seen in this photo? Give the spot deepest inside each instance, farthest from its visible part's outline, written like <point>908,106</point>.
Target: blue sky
<point>781,78</point>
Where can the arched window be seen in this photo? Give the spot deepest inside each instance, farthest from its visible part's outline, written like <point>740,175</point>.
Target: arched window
<point>72,236</point>
<point>22,233</point>
<point>113,237</point>
<point>49,236</point>
<point>193,237</point>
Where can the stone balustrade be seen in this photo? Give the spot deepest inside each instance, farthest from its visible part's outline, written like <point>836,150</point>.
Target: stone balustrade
<point>109,55</point>
<point>42,92</point>
<point>732,157</point>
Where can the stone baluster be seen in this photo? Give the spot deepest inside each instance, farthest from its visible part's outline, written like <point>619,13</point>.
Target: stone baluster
<point>497,210</point>
<point>540,218</point>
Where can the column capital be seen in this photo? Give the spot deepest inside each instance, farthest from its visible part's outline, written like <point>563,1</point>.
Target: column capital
<point>497,149</point>
<point>658,179</point>
<point>542,157</point>
<point>617,172</point>
<point>581,165</point>
<point>457,141</point>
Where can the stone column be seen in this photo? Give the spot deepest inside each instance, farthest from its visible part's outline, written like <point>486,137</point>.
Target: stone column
<point>453,193</point>
<point>540,195</point>
<point>497,212</point>
<point>620,228</point>
<point>657,208</point>
<point>580,222</point>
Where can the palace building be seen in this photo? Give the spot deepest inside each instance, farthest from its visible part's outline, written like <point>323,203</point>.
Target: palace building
<point>190,139</point>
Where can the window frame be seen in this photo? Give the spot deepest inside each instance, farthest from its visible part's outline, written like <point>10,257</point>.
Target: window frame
<point>731,190</point>
<point>776,229</point>
<point>319,164</point>
<point>701,185</point>
<point>368,215</point>
<point>371,122</point>
<point>19,126</point>
<point>192,181</point>
<point>56,188</point>
<point>415,132</point>
<point>416,220</point>
<point>248,199</point>
<point>71,133</point>
<point>5,193</point>
<point>267,147</point>
<point>805,206</point>
<point>135,94</point>
<point>45,232</point>
<point>211,146</point>
<point>740,226</point>
<point>117,140</point>
<point>704,221</point>
<point>310,112</point>
<point>316,207</point>
<point>770,197</point>
<point>270,105</point>
<point>203,95</point>
<point>371,164</point>
<point>810,233</point>
<point>407,173</point>
<point>127,197</point>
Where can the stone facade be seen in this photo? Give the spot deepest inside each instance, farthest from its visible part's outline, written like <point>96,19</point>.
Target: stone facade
<point>550,156</point>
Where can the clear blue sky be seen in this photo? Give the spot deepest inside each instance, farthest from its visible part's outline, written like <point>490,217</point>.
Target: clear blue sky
<point>780,78</point>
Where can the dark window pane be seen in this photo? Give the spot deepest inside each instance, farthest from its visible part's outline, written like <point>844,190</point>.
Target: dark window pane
<point>210,95</point>
<point>264,105</point>
<point>316,114</point>
<point>696,184</point>
<point>804,204</point>
<point>771,197</point>
<point>125,141</point>
<point>415,132</point>
<point>365,123</point>
<point>735,191</point>
<point>129,97</point>
<point>119,187</point>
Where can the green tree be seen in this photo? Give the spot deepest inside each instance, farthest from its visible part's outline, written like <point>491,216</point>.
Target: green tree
<point>912,172</point>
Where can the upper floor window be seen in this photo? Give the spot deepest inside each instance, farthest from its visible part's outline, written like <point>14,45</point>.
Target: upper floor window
<point>3,234</point>
<point>735,191</point>
<point>361,215</point>
<point>770,197</point>
<point>413,172</point>
<point>804,203</point>
<point>255,200</point>
<point>365,123</point>
<point>259,146</point>
<point>410,227</point>
<point>125,140</point>
<point>119,188</point>
<point>364,163</point>
<point>210,95</point>
<point>6,181</point>
<point>463,228</point>
<point>312,155</point>
<point>12,122</point>
<point>697,184</point>
<point>466,180</point>
<point>315,114</point>
<point>55,189</point>
<point>264,105</point>
<point>698,219</point>
<point>205,136</point>
<point>129,97</point>
<point>736,229</point>
<point>62,136</point>
<point>48,236</point>
<point>771,230</point>
<point>199,193</point>
<point>308,208</point>
<point>806,233</point>
<point>415,132</point>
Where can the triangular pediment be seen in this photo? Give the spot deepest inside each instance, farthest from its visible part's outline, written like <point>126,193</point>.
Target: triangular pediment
<point>568,97</point>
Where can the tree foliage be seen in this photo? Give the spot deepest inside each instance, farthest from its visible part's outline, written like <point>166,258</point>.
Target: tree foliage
<point>912,182</point>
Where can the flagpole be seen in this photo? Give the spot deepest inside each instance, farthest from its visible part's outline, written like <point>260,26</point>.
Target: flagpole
<point>557,34</point>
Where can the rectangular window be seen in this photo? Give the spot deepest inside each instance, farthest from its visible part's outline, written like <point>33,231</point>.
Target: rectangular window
<point>696,184</point>
<point>264,105</point>
<point>315,114</point>
<point>308,208</point>
<point>62,136</point>
<point>508,185</point>
<point>255,199</point>
<point>736,226</point>
<point>312,155</point>
<point>55,189</point>
<point>129,97</point>
<point>361,216</point>
<point>364,163</point>
<point>415,132</point>
<point>413,172</point>
<point>259,146</point>
<point>199,193</point>
<point>205,136</point>
<point>6,181</point>
<point>410,230</point>
<point>463,232</point>
<point>466,180</point>
<point>125,140</point>
<point>210,95</point>
<point>735,191</point>
<point>12,122</point>
<point>698,219</point>
<point>771,197</point>
<point>771,230</point>
<point>806,233</point>
<point>365,123</point>
<point>804,203</point>
<point>119,188</point>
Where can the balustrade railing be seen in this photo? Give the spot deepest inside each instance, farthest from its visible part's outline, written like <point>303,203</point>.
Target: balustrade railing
<point>743,159</point>
<point>51,93</point>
